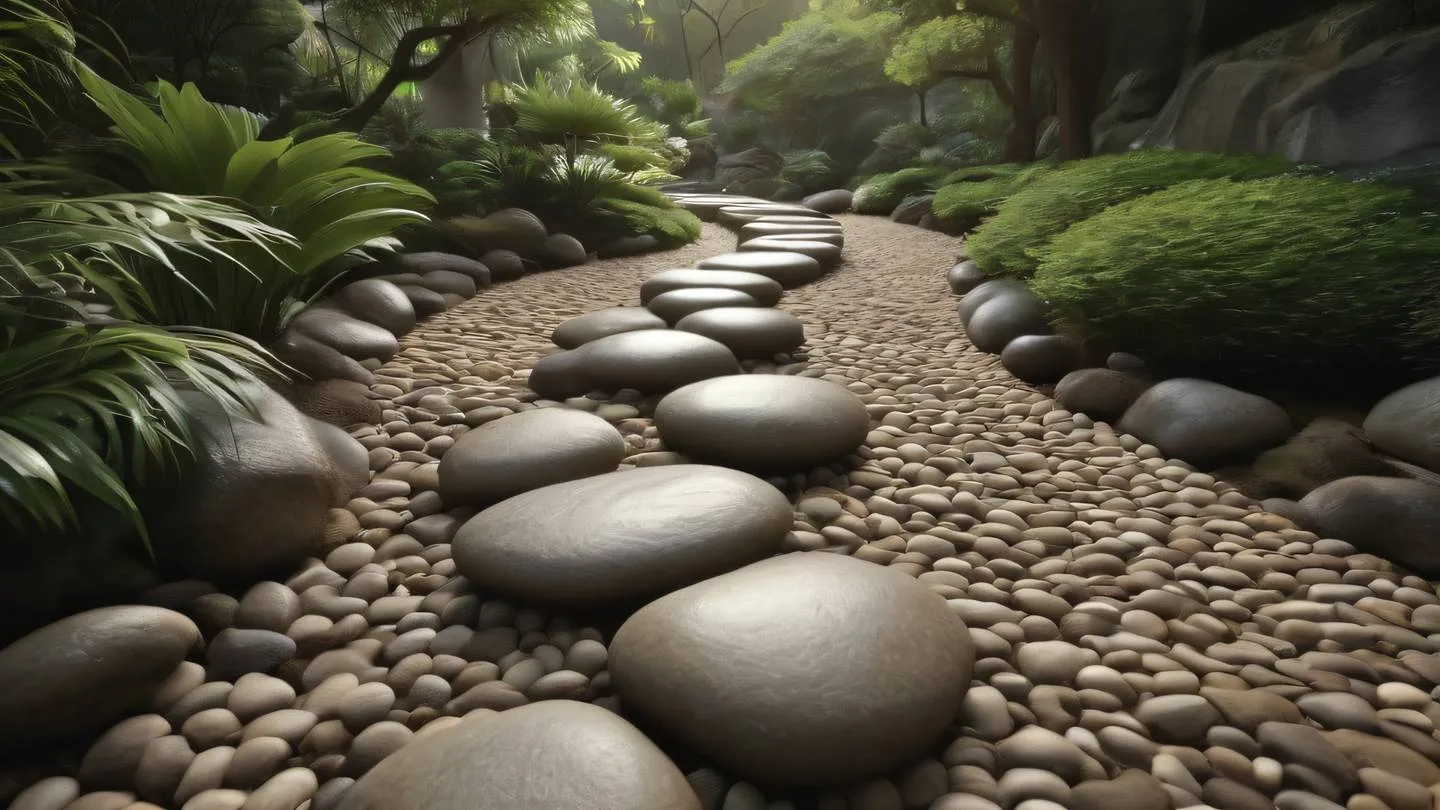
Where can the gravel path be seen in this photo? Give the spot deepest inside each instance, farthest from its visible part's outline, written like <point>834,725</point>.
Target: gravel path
<point>1132,618</point>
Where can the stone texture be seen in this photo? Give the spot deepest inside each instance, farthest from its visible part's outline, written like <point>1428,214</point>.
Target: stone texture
<point>763,422</point>
<point>83,673</point>
<point>827,254</point>
<point>965,276</point>
<point>676,304</point>
<point>428,261</point>
<point>849,668</point>
<point>1396,518</point>
<point>789,269</point>
<point>318,361</point>
<point>504,265</point>
<point>1005,317</point>
<point>582,329</point>
<point>765,290</point>
<point>563,250</point>
<point>653,360</point>
<point>553,755</point>
<point>346,334</point>
<point>624,535</point>
<point>835,201</point>
<point>749,332</point>
<point>559,376</point>
<point>526,451</point>
<point>1204,422</point>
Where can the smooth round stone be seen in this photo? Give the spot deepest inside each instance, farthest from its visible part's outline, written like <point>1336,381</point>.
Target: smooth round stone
<point>602,323</point>
<point>738,215</point>
<point>765,290</point>
<point>551,755</point>
<point>800,219</point>
<point>803,669</point>
<point>622,535</point>
<point>763,422</point>
<point>654,361</point>
<point>748,331</point>
<point>559,376</point>
<point>676,304</point>
<point>767,227</point>
<point>526,451</point>
<point>788,268</point>
<point>826,254</point>
<point>831,237</point>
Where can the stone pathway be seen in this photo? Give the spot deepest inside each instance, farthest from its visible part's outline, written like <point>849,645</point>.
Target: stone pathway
<point>1144,637</point>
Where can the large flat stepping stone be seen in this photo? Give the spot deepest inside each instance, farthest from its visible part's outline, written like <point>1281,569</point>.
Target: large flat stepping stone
<point>805,669</point>
<point>707,206</point>
<point>676,304</point>
<point>788,268</point>
<point>765,290</point>
<point>783,221</point>
<point>763,422</point>
<point>582,329</point>
<point>835,238</point>
<point>826,254</point>
<point>83,673</point>
<point>653,361</point>
<point>622,536</point>
<point>550,755</point>
<point>750,332</point>
<point>526,451</point>
<point>736,215</point>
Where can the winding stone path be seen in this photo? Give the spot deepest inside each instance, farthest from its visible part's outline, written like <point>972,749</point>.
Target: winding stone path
<point>1144,637</point>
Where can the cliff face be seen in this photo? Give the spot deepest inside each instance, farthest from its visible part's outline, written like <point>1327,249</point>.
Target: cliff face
<point>1352,85</point>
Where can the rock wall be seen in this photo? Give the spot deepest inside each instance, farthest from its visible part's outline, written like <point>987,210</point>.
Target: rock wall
<point>1350,87</point>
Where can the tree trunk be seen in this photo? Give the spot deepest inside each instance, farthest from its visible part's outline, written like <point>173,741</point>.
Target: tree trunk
<point>924,108</point>
<point>403,69</point>
<point>1021,147</point>
<point>1061,27</point>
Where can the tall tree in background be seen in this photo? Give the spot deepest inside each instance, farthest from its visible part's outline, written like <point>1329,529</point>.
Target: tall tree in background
<point>1074,63</point>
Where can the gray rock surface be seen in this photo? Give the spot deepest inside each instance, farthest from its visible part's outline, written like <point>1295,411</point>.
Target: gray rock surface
<point>763,289</point>
<point>790,269</point>
<point>1396,518</point>
<point>1204,422</point>
<point>749,332</point>
<point>526,451</point>
<point>1406,424</point>
<point>582,329</point>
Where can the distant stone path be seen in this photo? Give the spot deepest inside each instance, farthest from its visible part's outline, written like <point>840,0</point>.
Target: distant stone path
<point>1145,637</point>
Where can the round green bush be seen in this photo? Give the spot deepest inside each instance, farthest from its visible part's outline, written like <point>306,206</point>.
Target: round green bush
<point>881,194</point>
<point>1276,278</point>
<point>972,195</point>
<point>1075,191</point>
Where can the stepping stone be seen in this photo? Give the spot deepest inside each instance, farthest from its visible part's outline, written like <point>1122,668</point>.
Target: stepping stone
<point>826,254</point>
<point>765,290</point>
<point>749,332</point>
<point>755,229</point>
<point>602,323</point>
<point>788,268</point>
<point>526,451</point>
<point>836,201</point>
<point>812,222</point>
<point>622,536</point>
<point>653,361</point>
<point>835,238</point>
<point>550,755</point>
<point>736,215</point>
<point>676,304</point>
<point>763,422</point>
<point>850,669</point>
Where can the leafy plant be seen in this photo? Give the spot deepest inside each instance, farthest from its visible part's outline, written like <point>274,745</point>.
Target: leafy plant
<point>553,113</point>
<point>970,196</point>
<point>1026,221</point>
<point>318,191</point>
<point>810,169</point>
<point>1276,277</point>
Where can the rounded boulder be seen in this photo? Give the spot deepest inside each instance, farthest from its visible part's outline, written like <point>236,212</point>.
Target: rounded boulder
<point>851,669</point>
<point>1040,359</point>
<point>1005,318</point>
<point>1100,393</point>
<point>85,672</point>
<point>964,277</point>
<point>763,422</point>
<point>429,261</point>
<point>551,755</point>
<point>749,332</point>
<point>563,250</point>
<point>526,451</point>
<point>835,201</point>
<point>766,291</point>
<point>623,535</point>
<point>559,376</point>
<point>582,329</point>
<point>788,268</point>
<point>378,302</point>
<point>986,291</point>
<point>676,304</point>
<point>1204,422</point>
<point>833,237</point>
<point>653,361</point>
<point>1406,424</point>
<point>504,265</point>
<point>347,334</point>
<point>1394,518</point>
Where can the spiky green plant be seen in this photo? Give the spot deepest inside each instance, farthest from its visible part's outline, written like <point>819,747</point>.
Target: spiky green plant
<point>561,113</point>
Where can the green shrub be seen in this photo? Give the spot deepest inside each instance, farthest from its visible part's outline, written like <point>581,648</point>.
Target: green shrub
<point>673,103</point>
<point>671,226</point>
<point>1075,191</point>
<point>548,112</point>
<point>972,195</point>
<point>630,158</point>
<point>1235,280</point>
<point>882,193</point>
<point>810,169</point>
<point>898,146</point>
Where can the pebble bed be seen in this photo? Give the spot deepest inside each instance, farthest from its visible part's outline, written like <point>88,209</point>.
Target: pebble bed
<point>1132,617</point>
